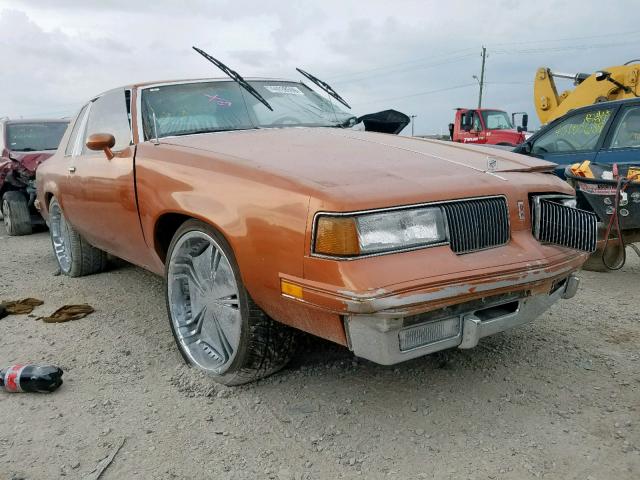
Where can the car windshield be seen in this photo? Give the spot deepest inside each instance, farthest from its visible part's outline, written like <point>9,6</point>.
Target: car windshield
<point>188,108</point>
<point>35,136</point>
<point>496,120</point>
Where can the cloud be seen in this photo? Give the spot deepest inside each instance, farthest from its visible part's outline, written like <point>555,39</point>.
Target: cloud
<point>407,54</point>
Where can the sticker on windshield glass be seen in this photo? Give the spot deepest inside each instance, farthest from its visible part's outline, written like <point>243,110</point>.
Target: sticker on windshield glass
<point>221,102</point>
<point>284,90</point>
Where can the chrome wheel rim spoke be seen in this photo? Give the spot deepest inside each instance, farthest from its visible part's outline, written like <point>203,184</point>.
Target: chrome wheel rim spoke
<point>6,214</point>
<point>204,302</point>
<point>60,238</point>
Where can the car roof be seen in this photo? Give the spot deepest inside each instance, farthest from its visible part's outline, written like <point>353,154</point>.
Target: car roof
<point>211,79</point>
<point>154,83</point>
<point>34,120</point>
<point>609,103</point>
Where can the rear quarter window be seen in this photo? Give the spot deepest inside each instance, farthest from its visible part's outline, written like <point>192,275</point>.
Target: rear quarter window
<point>73,138</point>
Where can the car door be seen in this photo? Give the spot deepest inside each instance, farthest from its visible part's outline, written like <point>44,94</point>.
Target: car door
<point>68,191</point>
<point>473,135</point>
<point>622,144</point>
<point>104,208</point>
<point>575,138</point>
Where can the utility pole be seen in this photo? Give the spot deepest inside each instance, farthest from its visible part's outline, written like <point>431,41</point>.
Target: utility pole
<point>484,57</point>
<point>412,122</point>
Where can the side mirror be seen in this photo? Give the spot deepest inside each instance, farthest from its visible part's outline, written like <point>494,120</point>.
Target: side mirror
<point>525,122</point>
<point>527,148</point>
<point>102,141</point>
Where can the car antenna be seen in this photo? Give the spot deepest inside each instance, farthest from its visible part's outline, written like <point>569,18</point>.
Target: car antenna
<point>235,76</point>
<point>324,86</point>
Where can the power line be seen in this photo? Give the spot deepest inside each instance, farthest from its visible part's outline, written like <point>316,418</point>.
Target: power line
<point>566,39</point>
<point>558,49</point>
<point>413,63</point>
<point>396,70</point>
<point>400,64</point>
<point>420,93</point>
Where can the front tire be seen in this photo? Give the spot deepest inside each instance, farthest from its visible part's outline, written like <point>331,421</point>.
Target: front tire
<point>75,256</point>
<point>15,213</point>
<point>216,325</point>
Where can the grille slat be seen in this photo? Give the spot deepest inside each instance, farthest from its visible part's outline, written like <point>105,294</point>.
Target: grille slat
<point>477,224</point>
<point>566,226</point>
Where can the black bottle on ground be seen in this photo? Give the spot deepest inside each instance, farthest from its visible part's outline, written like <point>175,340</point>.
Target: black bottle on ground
<point>31,378</point>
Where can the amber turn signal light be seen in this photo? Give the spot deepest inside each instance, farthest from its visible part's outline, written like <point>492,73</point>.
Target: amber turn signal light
<point>290,289</point>
<point>337,236</point>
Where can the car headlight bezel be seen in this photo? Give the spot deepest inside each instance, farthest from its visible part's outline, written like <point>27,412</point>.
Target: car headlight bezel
<point>352,234</point>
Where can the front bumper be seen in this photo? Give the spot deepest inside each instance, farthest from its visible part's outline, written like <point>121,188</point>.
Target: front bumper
<point>387,340</point>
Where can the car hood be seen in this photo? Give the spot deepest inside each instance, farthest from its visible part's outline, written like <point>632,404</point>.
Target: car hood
<point>327,155</point>
<point>364,169</point>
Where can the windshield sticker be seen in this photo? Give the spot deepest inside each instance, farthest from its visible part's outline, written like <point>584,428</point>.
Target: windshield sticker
<point>284,90</point>
<point>221,102</point>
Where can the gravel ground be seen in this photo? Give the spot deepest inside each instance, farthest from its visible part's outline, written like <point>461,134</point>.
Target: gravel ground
<point>558,399</point>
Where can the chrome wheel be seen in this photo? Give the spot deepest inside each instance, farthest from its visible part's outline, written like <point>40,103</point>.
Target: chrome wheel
<point>60,237</point>
<point>6,215</point>
<point>203,298</point>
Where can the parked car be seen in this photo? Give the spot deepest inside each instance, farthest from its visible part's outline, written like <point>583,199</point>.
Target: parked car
<point>264,220</point>
<point>24,145</point>
<point>603,133</point>
<point>607,132</point>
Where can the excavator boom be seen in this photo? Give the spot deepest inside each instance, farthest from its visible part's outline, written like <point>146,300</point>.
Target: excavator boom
<point>614,83</point>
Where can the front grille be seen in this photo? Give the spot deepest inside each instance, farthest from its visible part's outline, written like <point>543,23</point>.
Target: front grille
<point>477,224</point>
<point>565,226</point>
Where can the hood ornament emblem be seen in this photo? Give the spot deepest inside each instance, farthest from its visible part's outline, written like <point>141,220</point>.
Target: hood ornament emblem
<point>492,163</point>
<point>521,211</point>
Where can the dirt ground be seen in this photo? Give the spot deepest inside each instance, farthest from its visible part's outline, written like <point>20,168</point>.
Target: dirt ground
<point>557,399</point>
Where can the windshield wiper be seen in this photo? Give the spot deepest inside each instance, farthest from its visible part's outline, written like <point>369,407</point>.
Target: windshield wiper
<point>324,86</point>
<point>209,130</point>
<point>235,76</point>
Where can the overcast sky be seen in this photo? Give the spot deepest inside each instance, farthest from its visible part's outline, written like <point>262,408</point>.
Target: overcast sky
<point>415,56</point>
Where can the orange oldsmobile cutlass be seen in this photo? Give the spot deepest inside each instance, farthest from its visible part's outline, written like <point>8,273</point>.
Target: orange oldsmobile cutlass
<point>264,216</point>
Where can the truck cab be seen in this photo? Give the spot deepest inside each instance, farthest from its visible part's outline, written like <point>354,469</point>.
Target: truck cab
<point>487,126</point>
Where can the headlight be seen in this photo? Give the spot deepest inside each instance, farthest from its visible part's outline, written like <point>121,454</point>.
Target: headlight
<point>380,232</point>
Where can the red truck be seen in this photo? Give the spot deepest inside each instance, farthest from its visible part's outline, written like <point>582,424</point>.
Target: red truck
<point>487,125</point>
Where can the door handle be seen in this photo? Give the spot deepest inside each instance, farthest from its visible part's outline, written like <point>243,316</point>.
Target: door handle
<point>72,169</point>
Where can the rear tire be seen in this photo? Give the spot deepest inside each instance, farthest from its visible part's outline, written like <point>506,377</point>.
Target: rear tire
<point>216,325</point>
<point>15,213</point>
<point>75,256</point>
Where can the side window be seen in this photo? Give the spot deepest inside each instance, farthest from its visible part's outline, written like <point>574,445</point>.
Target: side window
<point>73,138</point>
<point>578,133</point>
<point>477,125</point>
<point>108,114</point>
<point>627,133</point>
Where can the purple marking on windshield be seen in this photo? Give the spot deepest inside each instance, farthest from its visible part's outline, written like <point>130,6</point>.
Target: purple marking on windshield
<point>221,102</point>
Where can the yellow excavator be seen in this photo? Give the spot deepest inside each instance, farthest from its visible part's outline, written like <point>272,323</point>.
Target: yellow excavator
<point>614,83</point>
